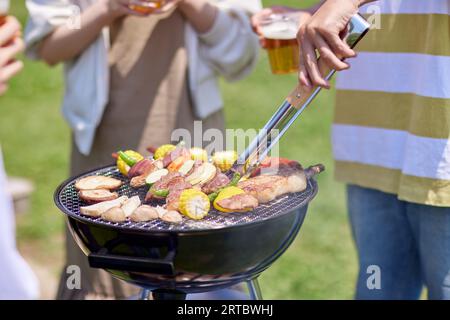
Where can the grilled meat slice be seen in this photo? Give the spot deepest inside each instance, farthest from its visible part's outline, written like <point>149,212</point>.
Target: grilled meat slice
<point>278,166</point>
<point>164,182</point>
<point>144,171</point>
<point>195,167</point>
<point>95,196</point>
<point>239,203</point>
<point>97,182</point>
<point>219,181</point>
<point>176,186</point>
<point>172,181</point>
<point>173,199</point>
<point>176,153</point>
<point>266,188</point>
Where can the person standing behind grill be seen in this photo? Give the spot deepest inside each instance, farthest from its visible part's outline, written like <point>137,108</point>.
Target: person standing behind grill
<point>391,140</point>
<point>17,280</point>
<point>131,80</point>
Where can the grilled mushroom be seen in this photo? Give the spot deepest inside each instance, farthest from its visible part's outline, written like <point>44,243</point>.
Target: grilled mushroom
<point>144,213</point>
<point>115,214</point>
<point>172,217</point>
<point>131,205</point>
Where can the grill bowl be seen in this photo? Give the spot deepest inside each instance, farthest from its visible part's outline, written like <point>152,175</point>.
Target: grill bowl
<point>194,256</point>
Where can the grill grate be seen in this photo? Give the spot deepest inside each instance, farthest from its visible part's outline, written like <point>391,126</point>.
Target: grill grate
<point>67,200</point>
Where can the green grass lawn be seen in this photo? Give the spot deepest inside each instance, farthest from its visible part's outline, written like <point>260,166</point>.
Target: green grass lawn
<point>321,264</point>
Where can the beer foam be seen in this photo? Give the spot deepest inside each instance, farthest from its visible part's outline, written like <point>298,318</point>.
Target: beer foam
<point>4,7</point>
<point>280,30</point>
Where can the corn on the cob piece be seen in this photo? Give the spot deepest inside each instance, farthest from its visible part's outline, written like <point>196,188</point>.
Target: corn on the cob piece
<point>199,154</point>
<point>121,164</point>
<point>163,150</point>
<point>194,204</point>
<point>226,193</point>
<point>224,160</point>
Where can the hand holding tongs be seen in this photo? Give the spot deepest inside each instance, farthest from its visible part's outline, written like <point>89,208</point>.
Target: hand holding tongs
<point>289,111</point>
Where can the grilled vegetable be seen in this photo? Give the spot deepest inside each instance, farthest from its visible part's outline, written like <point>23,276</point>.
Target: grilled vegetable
<point>144,213</point>
<point>126,160</point>
<point>156,176</point>
<point>96,210</point>
<point>186,167</point>
<point>163,150</point>
<point>202,174</point>
<point>176,164</point>
<point>160,193</point>
<point>233,183</point>
<point>194,204</point>
<point>226,193</point>
<point>224,160</point>
<point>99,195</point>
<point>115,214</point>
<point>97,182</point>
<point>199,154</point>
<point>172,217</point>
<point>131,205</point>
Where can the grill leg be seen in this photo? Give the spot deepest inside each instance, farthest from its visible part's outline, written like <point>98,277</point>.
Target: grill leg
<point>254,289</point>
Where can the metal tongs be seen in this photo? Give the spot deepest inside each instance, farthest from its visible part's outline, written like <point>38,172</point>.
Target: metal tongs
<point>290,110</point>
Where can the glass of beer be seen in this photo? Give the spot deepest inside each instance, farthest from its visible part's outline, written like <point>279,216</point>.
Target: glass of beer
<point>146,6</point>
<point>280,36</point>
<point>4,8</point>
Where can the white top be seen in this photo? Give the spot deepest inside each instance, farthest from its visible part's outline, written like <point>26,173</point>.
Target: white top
<point>229,49</point>
<point>17,280</point>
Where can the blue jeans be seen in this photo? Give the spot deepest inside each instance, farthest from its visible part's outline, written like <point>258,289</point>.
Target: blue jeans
<point>409,244</point>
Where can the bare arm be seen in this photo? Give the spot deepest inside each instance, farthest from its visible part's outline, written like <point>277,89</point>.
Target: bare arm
<point>10,46</point>
<point>66,43</point>
<point>200,13</point>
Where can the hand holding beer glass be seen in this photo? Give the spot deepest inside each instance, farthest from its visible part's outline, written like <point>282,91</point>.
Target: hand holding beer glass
<point>10,45</point>
<point>277,28</point>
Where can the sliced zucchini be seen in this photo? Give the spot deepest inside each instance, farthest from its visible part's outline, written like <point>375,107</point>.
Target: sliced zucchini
<point>186,167</point>
<point>155,176</point>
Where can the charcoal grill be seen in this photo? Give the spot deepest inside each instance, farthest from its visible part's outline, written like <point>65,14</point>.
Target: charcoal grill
<point>217,252</point>
<point>220,251</point>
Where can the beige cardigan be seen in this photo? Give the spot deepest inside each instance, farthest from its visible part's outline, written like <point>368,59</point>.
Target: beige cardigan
<point>230,49</point>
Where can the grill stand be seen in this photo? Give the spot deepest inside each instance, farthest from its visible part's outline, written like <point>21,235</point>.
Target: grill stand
<point>254,291</point>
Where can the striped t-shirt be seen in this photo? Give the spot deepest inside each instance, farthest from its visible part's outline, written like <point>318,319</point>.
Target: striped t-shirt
<point>392,120</point>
